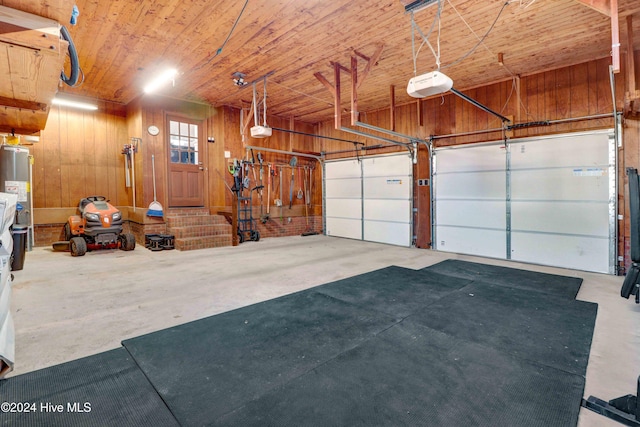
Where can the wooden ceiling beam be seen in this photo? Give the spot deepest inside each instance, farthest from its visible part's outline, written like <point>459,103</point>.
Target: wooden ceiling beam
<point>335,91</point>
<point>370,63</point>
<point>609,8</point>
<point>333,64</point>
<point>22,104</point>
<point>326,83</point>
<point>602,6</point>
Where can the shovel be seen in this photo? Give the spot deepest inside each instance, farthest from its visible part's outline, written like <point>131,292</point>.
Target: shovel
<point>293,162</point>
<point>300,192</point>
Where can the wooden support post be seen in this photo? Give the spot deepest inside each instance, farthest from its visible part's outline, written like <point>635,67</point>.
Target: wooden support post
<point>392,107</point>
<point>420,114</point>
<point>337,100</point>
<point>609,8</point>
<point>335,91</point>
<point>631,63</point>
<point>615,37</point>
<point>370,63</point>
<point>355,84</point>
<point>292,126</point>
<point>354,91</point>
<point>518,117</point>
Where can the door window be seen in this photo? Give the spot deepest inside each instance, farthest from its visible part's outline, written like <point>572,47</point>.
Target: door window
<point>183,141</point>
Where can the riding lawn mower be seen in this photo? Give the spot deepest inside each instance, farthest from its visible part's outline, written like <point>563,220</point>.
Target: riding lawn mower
<point>99,226</point>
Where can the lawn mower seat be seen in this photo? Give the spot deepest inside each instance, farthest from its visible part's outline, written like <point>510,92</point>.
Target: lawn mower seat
<point>87,200</point>
<point>631,285</point>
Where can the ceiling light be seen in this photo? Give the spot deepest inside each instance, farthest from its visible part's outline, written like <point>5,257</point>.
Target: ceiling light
<point>238,79</point>
<point>417,5</point>
<point>161,80</point>
<point>74,104</point>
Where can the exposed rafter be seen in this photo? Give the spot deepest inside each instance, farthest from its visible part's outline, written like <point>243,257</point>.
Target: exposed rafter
<point>609,8</point>
<point>355,82</point>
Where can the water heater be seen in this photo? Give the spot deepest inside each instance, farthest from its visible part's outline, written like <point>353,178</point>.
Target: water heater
<point>14,179</point>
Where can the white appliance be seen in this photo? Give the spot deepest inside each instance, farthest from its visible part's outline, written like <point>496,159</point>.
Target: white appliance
<point>429,84</point>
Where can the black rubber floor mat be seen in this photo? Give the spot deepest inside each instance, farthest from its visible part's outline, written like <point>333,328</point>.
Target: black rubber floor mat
<point>207,368</point>
<point>560,286</point>
<point>411,375</point>
<point>394,290</point>
<point>531,325</point>
<point>107,389</point>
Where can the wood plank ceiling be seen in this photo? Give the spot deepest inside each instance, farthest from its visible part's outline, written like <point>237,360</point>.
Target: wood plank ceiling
<point>122,44</point>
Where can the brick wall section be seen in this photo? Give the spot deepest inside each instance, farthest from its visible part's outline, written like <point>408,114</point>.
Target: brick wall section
<point>46,234</point>
<point>298,225</point>
<point>139,230</point>
<point>194,231</point>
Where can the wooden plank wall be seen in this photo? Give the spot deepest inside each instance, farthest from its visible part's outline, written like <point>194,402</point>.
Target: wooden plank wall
<point>78,155</point>
<point>80,152</point>
<point>571,92</point>
<point>283,141</point>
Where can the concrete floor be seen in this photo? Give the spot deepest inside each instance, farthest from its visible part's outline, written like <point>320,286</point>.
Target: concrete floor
<point>66,308</point>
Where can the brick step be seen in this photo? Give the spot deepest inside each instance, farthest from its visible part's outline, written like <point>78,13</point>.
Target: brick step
<point>201,230</point>
<point>194,220</point>
<point>186,211</point>
<point>192,243</point>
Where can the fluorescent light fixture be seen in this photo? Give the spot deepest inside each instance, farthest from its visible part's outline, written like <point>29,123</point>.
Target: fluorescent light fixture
<point>74,104</point>
<point>415,6</point>
<point>161,80</point>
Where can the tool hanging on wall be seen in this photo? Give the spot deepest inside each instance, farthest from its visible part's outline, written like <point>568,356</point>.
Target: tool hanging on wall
<point>277,171</point>
<point>293,162</point>
<point>265,218</point>
<point>127,173</point>
<point>129,151</point>
<point>281,214</point>
<point>300,193</point>
<point>307,173</point>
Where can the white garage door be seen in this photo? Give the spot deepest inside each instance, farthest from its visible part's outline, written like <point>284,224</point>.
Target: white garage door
<point>343,199</point>
<point>370,199</point>
<point>553,202</point>
<point>470,200</point>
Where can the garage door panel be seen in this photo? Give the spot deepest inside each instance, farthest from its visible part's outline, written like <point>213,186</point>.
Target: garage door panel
<point>388,232</point>
<point>342,169</point>
<point>558,152</point>
<point>479,185</point>
<point>472,213</point>
<point>344,208</point>
<point>477,158</point>
<point>342,227</point>
<point>578,252</point>
<point>388,210</point>
<point>559,184</point>
<point>396,187</point>
<point>535,216</point>
<point>489,243</point>
<point>387,165</point>
<point>343,188</point>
